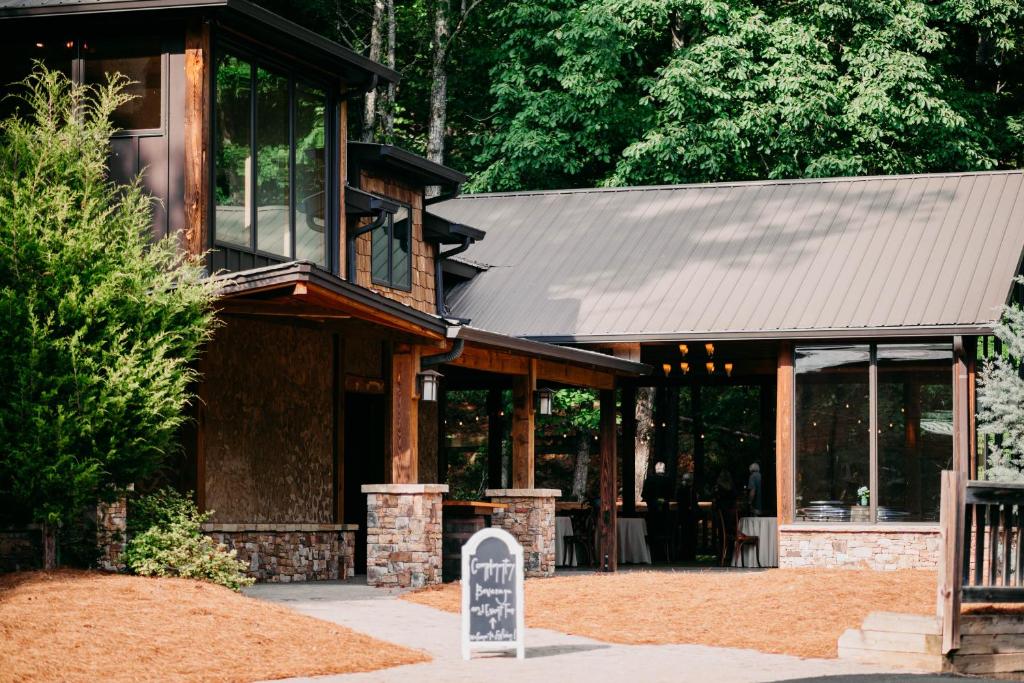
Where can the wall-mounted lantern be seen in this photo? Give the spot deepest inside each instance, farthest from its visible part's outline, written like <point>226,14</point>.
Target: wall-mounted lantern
<point>545,401</point>
<point>430,384</point>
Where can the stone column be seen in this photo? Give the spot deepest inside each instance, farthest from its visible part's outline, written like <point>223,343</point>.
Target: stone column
<point>403,534</point>
<point>529,515</point>
<point>111,527</point>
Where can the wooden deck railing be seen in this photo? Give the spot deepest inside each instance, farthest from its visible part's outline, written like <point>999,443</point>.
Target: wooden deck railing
<point>983,557</point>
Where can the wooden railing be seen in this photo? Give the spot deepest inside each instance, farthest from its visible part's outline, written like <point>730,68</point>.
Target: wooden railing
<point>983,557</point>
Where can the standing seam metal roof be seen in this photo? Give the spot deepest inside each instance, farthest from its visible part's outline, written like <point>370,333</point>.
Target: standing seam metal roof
<point>769,258</point>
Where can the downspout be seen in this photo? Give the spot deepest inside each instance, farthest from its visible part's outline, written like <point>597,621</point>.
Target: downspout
<point>446,357</point>
<point>442,308</point>
<point>350,246</point>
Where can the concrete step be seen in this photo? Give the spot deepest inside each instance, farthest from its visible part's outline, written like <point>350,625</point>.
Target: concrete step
<point>889,641</point>
<point>895,622</point>
<point>902,660</point>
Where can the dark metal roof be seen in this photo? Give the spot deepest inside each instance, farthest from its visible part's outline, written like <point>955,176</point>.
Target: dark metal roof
<point>281,275</point>
<point>272,27</point>
<point>395,159</point>
<point>840,257</point>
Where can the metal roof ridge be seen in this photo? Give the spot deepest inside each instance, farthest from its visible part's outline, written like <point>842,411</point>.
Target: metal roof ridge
<point>737,183</point>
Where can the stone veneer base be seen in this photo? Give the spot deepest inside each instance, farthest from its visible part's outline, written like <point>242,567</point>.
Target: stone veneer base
<point>278,553</point>
<point>529,515</point>
<point>403,534</point>
<point>855,546</point>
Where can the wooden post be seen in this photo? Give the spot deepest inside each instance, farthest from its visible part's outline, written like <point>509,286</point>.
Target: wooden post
<point>442,435</point>
<point>608,555</point>
<point>628,450</point>
<point>971,347</point>
<point>523,388</point>
<point>697,423</point>
<point>338,391</point>
<point>961,403</point>
<point>405,363</point>
<point>197,137</point>
<point>784,426</point>
<point>951,561</point>
<point>495,435</point>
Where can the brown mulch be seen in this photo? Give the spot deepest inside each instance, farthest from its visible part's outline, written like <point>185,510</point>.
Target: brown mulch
<point>792,611</point>
<point>87,626</point>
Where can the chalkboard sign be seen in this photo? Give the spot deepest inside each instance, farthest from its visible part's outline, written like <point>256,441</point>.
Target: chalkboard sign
<point>492,593</point>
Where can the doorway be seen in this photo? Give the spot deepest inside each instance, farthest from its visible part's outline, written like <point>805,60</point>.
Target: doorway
<point>365,445</point>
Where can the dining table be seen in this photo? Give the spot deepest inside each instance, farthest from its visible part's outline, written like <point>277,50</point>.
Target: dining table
<point>563,528</point>
<point>632,537</point>
<point>767,531</point>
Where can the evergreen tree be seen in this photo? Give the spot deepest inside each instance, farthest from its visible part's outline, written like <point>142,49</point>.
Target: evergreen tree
<point>1001,399</point>
<point>98,326</point>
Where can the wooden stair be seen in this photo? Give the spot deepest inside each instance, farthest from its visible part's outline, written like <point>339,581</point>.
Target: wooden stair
<point>906,641</point>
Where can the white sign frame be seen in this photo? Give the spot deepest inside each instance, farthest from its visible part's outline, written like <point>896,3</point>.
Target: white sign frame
<point>469,548</point>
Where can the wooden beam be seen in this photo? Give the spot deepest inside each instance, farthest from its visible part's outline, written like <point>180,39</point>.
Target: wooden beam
<point>607,521</point>
<point>628,451</point>
<point>951,522</point>
<point>784,427</point>
<point>523,387</point>
<point>961,403</point>
<point>197,137</point>
<point>405,363</point>
<point>574,375</point>
<point>489,360</point>
<point>338,391</point>
<point>495,436</point>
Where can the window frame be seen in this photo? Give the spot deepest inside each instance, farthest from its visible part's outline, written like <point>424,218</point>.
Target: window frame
<point>873,442</point>
<point>390,281</point>
<point>297,75</point>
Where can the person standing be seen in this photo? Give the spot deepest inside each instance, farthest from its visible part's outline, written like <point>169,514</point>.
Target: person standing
<point>754,489</point>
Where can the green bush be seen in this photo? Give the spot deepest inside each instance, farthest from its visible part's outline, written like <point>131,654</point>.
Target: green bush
<point>173,543</point>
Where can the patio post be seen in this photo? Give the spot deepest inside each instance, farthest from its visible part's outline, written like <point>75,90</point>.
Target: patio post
<point>404,415</point>
<point>523,387</point>
<point>784,435</point>
<point>628,450</point>
<point>608,556</point>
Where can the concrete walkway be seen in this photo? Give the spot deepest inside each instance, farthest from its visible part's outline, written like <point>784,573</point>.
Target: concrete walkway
<point>550,656</point>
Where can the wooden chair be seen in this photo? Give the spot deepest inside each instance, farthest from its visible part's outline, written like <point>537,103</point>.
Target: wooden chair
<point>584,526</point>
<point>741,539</point>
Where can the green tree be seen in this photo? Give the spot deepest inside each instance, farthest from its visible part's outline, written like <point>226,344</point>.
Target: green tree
<point>1001,399</point>
<point>98,326</point>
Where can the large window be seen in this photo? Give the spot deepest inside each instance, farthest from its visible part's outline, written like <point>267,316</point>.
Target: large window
<point>391,251</point>
<point>271,161</point>
<point>873,431</point>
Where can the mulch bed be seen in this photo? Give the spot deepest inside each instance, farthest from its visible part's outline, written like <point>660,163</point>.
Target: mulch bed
<point>791,611</point>
<point>88,626</point>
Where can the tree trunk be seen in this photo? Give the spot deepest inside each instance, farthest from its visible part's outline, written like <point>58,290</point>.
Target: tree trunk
<point>389,104</point>
<point>370,103</point>
<point>582,468</point>
<point>438,89</point>
<point>644,436</point>
<point>49,546</point>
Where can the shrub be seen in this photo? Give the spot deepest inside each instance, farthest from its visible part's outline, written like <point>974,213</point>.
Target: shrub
<point>174,545</point>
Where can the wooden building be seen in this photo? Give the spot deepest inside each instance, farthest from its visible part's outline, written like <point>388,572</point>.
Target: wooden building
<point>312,447</point>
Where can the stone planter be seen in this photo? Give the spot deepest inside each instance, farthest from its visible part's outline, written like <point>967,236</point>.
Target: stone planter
<point>403,534</point>
<point>529,515</point>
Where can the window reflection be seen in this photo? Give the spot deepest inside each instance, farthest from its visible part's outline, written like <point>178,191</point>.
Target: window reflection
<point>137,58</point>
<point>915,423</point>
<point>832,432</point>
<point>234,161</point>
<point>17,59</point>
<point>401,248</point>
<point>273,232</point>
<point>310,172</point>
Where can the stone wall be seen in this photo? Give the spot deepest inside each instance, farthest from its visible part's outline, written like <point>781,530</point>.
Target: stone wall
<point>21,549</point>
<point>403,534</point>
<point>529,515</point>
<point>278,553</point>
<point>860,546</point>
<point>111,533</point>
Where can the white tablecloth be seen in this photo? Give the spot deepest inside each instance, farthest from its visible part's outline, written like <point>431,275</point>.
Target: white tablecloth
<point>563,528</point>
<point>633,541</point>
<point>767,530</point>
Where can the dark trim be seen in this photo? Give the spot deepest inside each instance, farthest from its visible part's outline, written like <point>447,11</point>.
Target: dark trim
<point>360,203</point>
<point>439,229</point>
<point>238,12</point>
<point>773,335</point>
<point>389,158</point>
<point>529,347</point>
<point>460,269</point>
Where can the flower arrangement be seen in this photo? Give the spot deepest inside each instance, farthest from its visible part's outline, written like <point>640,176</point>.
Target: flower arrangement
<point>864,494</point>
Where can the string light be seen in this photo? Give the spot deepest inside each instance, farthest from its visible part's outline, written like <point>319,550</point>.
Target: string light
<point>667,368</point>
<point>685,367</point>
<point>728,369</point>
<point>684,349</point>
<point>710,348</point>
<point>710,367</point>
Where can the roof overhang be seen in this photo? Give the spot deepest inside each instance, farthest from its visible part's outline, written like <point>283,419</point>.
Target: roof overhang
<point>299,289</point>
<point>921,331</point>
<point>361,203</point>
<point>241,16</point>
<point>395,160</point>
<point>444,231</point>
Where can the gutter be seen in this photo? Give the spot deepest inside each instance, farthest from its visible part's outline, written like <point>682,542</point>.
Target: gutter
<point>350,242</point>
